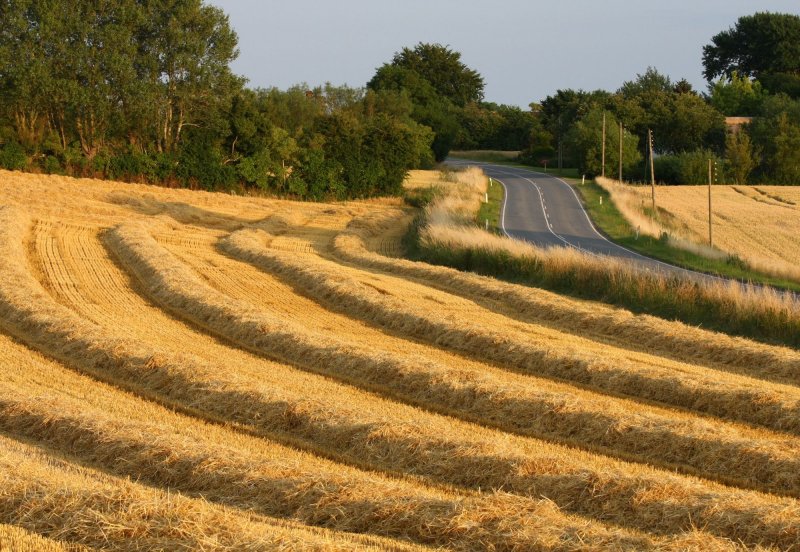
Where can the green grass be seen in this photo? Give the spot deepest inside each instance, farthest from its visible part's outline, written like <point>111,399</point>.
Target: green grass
<point>610,221</point>
<point>491,211</point>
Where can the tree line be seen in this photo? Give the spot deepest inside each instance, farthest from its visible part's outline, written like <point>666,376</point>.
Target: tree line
<point>753,71</point>
<point>142,90</point>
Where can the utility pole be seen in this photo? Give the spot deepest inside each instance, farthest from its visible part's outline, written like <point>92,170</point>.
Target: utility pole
<point>620,151</point>
<point>652,169</point>
<point>710,235</point>
<point>603,156</point>
<point>560,148</point>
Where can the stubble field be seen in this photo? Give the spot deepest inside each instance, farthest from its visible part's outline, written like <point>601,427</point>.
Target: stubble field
<point>759,224</point>
<point>186,370</point>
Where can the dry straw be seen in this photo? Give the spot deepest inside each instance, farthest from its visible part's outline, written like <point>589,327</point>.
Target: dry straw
<point>40,401</point>
<point>176,287</point>
<point>81,506</point>
<point>726,396</point>
<point>357,503</point>
<point>16,539</point>
<point>618,326</point>
<point>128,437</point>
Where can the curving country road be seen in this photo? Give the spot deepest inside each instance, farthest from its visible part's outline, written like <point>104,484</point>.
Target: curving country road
<point>544,210</point>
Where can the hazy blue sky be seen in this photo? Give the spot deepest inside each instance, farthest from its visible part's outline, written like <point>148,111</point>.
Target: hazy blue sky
<point>525,50</point>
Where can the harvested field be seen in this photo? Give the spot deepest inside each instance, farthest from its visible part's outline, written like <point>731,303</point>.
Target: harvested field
<point>759,224</point>
<point>189,370</point>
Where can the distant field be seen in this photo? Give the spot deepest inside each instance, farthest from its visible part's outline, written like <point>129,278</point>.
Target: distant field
<point>760,224</point>
<point>188,370</point>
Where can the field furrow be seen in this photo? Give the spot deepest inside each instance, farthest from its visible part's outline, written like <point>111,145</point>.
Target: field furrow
<point>534,351</point>
<point>55,498</point>
<point>271,375</point>
<point>616,326</point>
<point>125,436</point>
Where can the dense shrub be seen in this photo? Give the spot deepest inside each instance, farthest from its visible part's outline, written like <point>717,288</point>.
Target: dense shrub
<point>12,157</point>
<point>685,168</point>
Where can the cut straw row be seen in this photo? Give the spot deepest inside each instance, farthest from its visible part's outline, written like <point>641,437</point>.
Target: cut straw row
<point>130,438</point>
<point>694,388</point>
<point>173,285</point>
<point>668,338</point>
<point>57,499</point>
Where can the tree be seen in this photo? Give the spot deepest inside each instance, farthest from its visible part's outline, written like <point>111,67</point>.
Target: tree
<point>757,45</point>
<point>443,69</point>
<point>439,86</point>
<point>740,159</point>
<point>689,123</point>
<point>774,135</point>
<point>186,48</point>
<point>737,95</point>
<point>650,83</point>
<point>786,162</point>
<point>679,118</point>
<point>560,112</point>
<point>586,137</point>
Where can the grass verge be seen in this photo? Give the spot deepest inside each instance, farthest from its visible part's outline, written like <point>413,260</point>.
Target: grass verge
<point>610,221</point>
<point>489,213</point>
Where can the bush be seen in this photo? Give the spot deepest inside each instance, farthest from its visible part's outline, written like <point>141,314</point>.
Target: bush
<point>199,163</point>
<point>684,168</point>
<point>52,165</point>
<point>131,165</point>
<point>12,157</point>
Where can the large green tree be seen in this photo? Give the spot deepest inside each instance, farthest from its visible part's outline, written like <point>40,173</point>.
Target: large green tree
<point>586,138</point>
<point>680,119</point>
<point>443,69</point>
<point>775,135</point>
<point>765,46</point>
<point>439,86</point>
<point>740,157</point>
<point>737,95</point>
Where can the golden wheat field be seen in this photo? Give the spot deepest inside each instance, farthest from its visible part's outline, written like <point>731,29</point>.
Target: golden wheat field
<point>759,224</point>
<point>195,371</point>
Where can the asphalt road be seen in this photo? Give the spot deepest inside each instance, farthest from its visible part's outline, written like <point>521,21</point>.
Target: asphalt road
<point>544,210</point>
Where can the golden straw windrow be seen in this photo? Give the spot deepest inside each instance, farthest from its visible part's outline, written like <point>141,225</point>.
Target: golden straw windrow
<point>620,327</point>
<point>190,370</point>
<point>611,425</point>
<point>524,348</point>
<point>57,498</point>
<point>127,437</point>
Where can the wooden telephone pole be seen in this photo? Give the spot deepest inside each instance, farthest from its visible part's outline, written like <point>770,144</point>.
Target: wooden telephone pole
<point>652,168</point>
<point>603,156</point>
<point>620,151</point>
<point>710,235</point>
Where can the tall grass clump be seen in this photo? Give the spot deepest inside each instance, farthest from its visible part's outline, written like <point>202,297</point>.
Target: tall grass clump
<point>728,306</point>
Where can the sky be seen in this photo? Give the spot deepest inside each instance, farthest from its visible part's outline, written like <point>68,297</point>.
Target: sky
<point>525,50</point>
